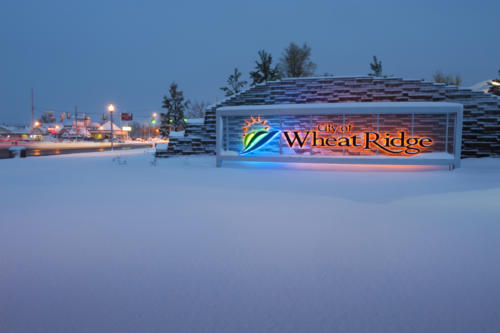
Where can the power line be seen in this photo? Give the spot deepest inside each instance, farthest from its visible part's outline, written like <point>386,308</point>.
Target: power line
<point>125,110</point>
<point>145,115</point>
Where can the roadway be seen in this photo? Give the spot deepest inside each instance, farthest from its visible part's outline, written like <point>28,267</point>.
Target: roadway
<point>59,148</point>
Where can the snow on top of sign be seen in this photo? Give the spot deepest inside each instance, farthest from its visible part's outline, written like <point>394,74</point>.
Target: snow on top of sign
<point>177,134</point>
<point>347,105</point>
<point>196,121</point>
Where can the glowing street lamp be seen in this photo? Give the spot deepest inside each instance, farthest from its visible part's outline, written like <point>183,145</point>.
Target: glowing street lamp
<point>111,109</point>
<point>153,122</point>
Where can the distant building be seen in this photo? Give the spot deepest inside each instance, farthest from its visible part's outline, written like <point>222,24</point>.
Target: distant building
<point>80,128</point>
<point>13,132</point>
<point>104,131</point>
<point>483,86</point>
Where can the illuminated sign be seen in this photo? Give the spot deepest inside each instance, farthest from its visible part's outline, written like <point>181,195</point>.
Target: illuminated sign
<point>53,129</point>
<point>332,135</point>
<point>126,128</point>
<point>126,116</point>
<point>379,133</point>
<point>256,134</point>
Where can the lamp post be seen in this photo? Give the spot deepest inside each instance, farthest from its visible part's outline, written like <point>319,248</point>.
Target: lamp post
<point>153,122</point>
<point>111,109</point>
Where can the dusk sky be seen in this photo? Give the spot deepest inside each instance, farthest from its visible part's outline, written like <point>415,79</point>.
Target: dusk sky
<point>91,53</point>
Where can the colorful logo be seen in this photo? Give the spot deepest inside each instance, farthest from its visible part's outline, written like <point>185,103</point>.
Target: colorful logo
<point>257,134</point>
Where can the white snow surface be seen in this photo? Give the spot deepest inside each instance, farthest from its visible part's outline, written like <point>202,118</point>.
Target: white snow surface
<point>161,147</point>
<point>107,126</point>
<point>196,121</point>
<point>114,242</point>
<point>177,134</point>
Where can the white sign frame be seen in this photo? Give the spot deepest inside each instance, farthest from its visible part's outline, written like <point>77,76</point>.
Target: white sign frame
<point>344,108</point>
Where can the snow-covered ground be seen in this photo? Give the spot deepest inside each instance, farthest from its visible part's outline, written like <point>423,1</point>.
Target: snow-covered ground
<point>96,243</point>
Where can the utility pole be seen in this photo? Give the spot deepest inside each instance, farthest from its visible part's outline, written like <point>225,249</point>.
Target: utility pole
<point>111,116</point>
<point>85,124</point>
<point>76,123</point>
<point>111,109</point>
<point>32,112</point>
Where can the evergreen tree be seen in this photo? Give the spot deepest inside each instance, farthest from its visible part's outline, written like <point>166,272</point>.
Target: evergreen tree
<point>440,77</point>
<point>376,67</point>
<point>296,61</point>
<point>495,86</point>
<point>234,85</point>
<point>48,117</point>
<point>263,70</point>
<point>174,117</point>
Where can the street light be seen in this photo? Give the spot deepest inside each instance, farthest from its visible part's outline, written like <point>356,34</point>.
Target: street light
<point>111,109</point>
<point>153,121</point>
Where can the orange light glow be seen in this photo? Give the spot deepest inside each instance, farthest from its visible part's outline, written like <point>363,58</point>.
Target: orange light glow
<point>365,142</point>
<point>257,121</point>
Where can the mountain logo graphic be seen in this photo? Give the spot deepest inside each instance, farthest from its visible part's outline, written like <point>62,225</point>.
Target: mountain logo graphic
<point>257,134</point>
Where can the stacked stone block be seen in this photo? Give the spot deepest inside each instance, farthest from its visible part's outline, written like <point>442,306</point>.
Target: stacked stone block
<point>481,122</point>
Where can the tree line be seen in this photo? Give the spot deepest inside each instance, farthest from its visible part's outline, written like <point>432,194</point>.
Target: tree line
<point>295,61</point>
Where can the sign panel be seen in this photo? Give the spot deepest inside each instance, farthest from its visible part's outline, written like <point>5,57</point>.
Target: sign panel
<point>381,133</point>
<point>126,116</point>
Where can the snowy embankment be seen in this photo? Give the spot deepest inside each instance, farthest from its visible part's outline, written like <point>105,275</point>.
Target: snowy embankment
<point>100,243</point>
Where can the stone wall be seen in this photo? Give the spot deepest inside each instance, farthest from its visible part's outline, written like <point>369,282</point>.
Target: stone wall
<point>481,122</point>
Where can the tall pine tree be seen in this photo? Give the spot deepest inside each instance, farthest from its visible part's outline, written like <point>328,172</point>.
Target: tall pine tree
<point>173,119</point>
<point>296,61</point>
<point>376,67</point>
<point>234,85</point>
<point>263,69</point>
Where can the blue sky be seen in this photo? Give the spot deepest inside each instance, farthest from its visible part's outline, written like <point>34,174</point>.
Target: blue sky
<point>90,53</point>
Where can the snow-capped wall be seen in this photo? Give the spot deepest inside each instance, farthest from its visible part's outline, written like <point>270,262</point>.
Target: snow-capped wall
<point>481,124</point>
